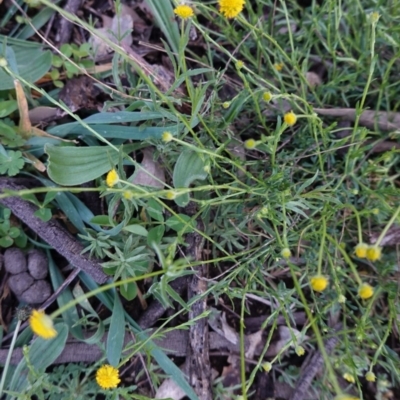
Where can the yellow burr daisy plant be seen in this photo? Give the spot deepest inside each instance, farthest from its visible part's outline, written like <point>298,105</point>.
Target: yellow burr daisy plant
<point>365,291</point>
<point>361,250</point>
<point>184,11</point>
<point>231,8</point>
<point>250,144</point>
<point>374,253</point>
<point>166,137</point>
<point>107,377</point>
<point>112,178</point>
<point>42,325</point>
<point>290,118</point>
<point>319,283</point>
<point>286,253</point>
<point>370,376</point>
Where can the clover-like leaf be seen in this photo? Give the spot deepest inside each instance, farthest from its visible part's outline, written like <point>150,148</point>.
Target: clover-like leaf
<point>12,163</point>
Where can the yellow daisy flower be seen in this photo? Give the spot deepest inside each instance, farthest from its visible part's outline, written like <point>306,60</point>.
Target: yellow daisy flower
<point>370,376</point>
<point>42,325</point>
<point>286,253</point>
<point>365,291</point>
<point>184,11</point>
<point>250,144</point>
<point>361,250</point>
<point>374,253</point>
<point>166,137</point>
<point>107,377</point>
<point>231,8</point>
<point>290,118</point>
<point>279,66</point>
<point>319,283</point>
<point>112,178</point>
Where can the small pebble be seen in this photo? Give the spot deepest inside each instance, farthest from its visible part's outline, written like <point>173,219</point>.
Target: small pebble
<point>20,283</point>
<point>14,261</point>
<point>37,264</point>
<point>38,293</point>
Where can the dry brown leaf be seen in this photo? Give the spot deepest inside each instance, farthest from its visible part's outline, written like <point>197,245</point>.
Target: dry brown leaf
<point>313,79</point>
<point>150,173</point>
<point>169,390</point>
<point>386,121</point>
<point>42,113</point>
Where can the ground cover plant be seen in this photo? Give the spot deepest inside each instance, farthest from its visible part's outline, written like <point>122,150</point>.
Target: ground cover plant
<point>199,199</point>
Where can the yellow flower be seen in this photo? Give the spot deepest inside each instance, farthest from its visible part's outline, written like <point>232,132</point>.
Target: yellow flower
<point>342,299</point>
<point>166,137</point>
<point>128,195</point>
<point>231,8</point>
<point>300,351</point>
<point>370,376</point>
<point>170,195</point>
<point>349,378</point>
<point>226,104</point>
<point>267,96</point>
<point>112,178</point>
<point>184,11</point>
<point>361,250</point>
<point>346,397</point>
<point>267,366</point>
<point>286,253</point>
<point>365,291</point>
<point>107,377</point>
<point>290,118</point>
<point>250,144</point>
<point>374,253</point>
<point>319,283</point>
<point>279,67</point>
<point>42,325</point>
<point>239,65</point>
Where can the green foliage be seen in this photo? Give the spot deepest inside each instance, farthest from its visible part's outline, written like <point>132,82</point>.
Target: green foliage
<point>11,162</point>
<point>9,234</point>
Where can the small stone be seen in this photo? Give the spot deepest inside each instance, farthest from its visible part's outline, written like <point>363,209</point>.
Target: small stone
<point>38,293</point>
<point>19,283</point>
<point>14,261</point>
<point>37,264</point>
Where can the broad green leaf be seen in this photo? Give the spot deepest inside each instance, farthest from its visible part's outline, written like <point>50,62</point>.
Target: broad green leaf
<point>42,353</point>
<point>12,163</point>
<point>136,229</point>
<point>32,61</point>
<point>129,291</point>
<point>155,210</point>
<point>188,168</point>
<point>155,235</point>
<point>180,223</point>
<point>43,213</point>
<point>116,334</point>
<point>7,107</point>
<point>70,315</point>
<point>69,166</point>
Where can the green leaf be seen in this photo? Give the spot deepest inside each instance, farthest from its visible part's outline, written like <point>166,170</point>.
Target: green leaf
<point>129,291</point>
<point>11,164</point>
<point>9,137</point>
<point>6,241</point>
<point>116,334</point>
<point>43,213</point>
<point>71,166</point>
<point>155,210</point>
<point>70,315</point>
<point>32,62</point>
<point>7,107</point>
<point>155,235</point>
<point>188,168</point>
<point>180,223</point>
<point>42,353</point>
<point>136,229</point>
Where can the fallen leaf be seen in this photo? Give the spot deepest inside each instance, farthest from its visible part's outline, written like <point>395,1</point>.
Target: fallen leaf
<point>150,173</point>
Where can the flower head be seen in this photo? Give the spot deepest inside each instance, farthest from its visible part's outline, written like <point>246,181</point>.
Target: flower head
<point>127,195</point>
<point>250,144</point>
<point>267,366</point>
<point>184,11</point>
<point>267,96</point>
<point>107,377</point>
<point>374,253</point>
<point>290,118</point>
<point>286,253</point>
<point>370,376</point>
<point>231,8</point>
<point>42,325</point>
<point>300,350</point>
<point>319,283</point>
<point>226,104</point>
<point>112,178</point>
<point>170,195</point>
<point>361,250</point>
<point>166,137</point>
<point>365,291</point>
<point>349,378</point>
<point>279,66</point>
